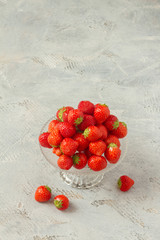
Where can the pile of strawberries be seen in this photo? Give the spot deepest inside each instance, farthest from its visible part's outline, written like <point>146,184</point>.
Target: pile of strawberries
<point>86,135</point>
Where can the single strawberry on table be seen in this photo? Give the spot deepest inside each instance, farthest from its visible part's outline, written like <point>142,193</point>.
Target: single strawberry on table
<point>62,113</point>
<point>97,163</point>
<point>79,160</point>
<point>92,133</point>
<point>61,202</point>
<point>55,138</point>
<point>82,141</point>
<point>101,113</point>
<point>97,148</point>
<point>68,146</point>
<point>66,129</point>
<point>65,162</point>
<point>52,125</point>
<point>75,117</point>
<point>43,140</point>
<point>121,131</point>
<point>43,194</point>
<point>111,122</point>
<point>112,153</point>
<point>86,107</point>
<point>125,183</point>
<point>112,139</point>
<point>88,120</point>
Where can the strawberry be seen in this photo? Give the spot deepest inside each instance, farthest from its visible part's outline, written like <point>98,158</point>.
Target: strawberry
<point>92,133</point>
<point>125,183</point>
<point>103,130</point>
<point>121,131</point>
<point>62,113</point>
<point>97,147</point>
<point>65,162</point>
<point>52,125</point>
<point>75,117</point>
<point>97,163</point>
<point>86,107</point>
<point>66,129</point>
<point>55,138</point>
<point>112,153</point>
<point>69,146</point>
<point>87,153</point>
<point>83,143</point>
<point>88,120</point>
<point>57,151</point>
<point>101,112</point>
<point>112,139</point>
<point>43,194</point>
<point>61,202</point>
<point>79,160</point>
<point>43,140</point>
<point>111,123</point>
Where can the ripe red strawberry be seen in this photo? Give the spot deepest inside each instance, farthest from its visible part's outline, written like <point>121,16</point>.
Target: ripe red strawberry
<point>87,153</point>
<point>101,112</point>
<point>66,129</point>
<point>112,139</point>
<point>75,117</point>
<point>103,130</point>
<point>97,147</point>
<point>111,123</point>
<point>112,153</point>
<point>43,140</point>
<point>61,202</point>
<point>125,183</point>
<point>62,113</point>
<point>43,194</point>
<point>65,162</point>
<point>52,125</point>
<point>83,143</point>
<point>88,120</point>
<point>92,133</point>
<point>121,131</point>
<point>97,163</point>
<point>86,107</point>
<point>55,138</point>
<point>57,151</point>
<point>79,160</point>
<point>69,146</point>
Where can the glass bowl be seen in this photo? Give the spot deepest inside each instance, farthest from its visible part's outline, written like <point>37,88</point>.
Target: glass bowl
<point>82,178</point>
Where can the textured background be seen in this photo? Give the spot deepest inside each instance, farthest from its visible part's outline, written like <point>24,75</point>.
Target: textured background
<point>55,53</point>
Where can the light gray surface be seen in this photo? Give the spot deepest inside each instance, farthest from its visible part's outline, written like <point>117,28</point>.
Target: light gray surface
<point>55,53</point>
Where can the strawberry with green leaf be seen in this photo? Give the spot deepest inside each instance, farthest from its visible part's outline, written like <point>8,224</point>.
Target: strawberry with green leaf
<point>75,117</point>
<point>61,202</point>
<point>121,131</point>
<point>92,133</point>
<point>62,113</point>
<point>101,113</point>
<point>79,160</point>
<point>111,123</point>
<point>112,153</point>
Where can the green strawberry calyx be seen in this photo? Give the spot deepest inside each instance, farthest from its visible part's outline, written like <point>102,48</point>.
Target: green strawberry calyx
<point>56,146</point>
<point>115,124</point>
<point>60,114</point>
<point>58,203</point>
<point>119,183</point>
<point>103,104</point>
<point>78,121</point>
<point>76,159</point>
<point>86,133</point>
<point>48,188</point>
<point>124,124</point>
<point>113,145</point>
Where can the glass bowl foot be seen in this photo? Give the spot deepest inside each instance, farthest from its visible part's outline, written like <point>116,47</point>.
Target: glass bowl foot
<point>79,181</point>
